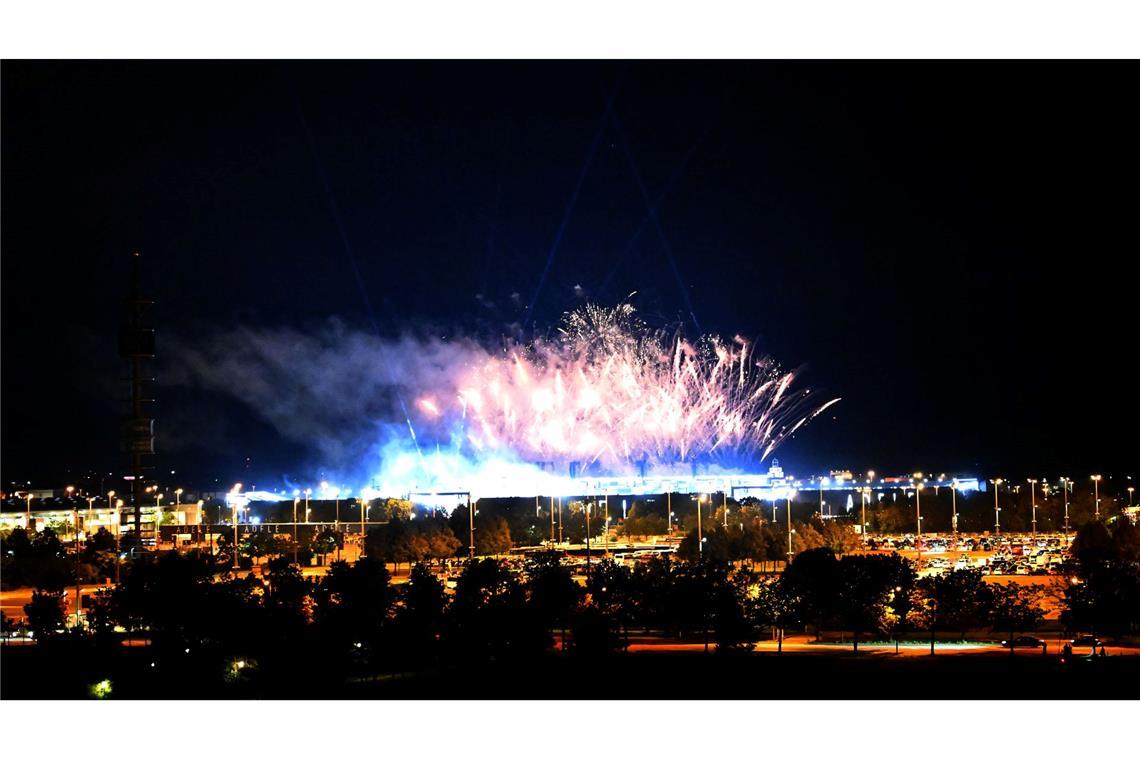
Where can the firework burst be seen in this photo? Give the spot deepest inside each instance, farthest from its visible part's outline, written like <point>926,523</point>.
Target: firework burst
<point>614,396</point>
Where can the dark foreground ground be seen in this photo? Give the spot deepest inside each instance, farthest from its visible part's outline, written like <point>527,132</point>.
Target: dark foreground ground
<point>32,673</point>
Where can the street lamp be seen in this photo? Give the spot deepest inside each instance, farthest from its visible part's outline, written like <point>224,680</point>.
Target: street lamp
<point>361,500</point>
<point>587,506</point>
<point>863,493</point>
<point>700,541</point>
<point>822,483</point>
<point>75,548</point>
<point>918,518</point>
<point>1033,504</point>
<point>296,500</point>
<point>28,511</point>
<point>1065,491</point>
<point>233,502</point>
<point>606,535</point>
<point>789,495</point>
<point>1130,490</point>
<point>997,510</point>
<point>1096,495</point>
<point>954,510</point>
<point>471,527</point>
<point>118,533</point>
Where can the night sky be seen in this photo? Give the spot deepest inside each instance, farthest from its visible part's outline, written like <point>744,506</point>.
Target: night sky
<point>950,247</point>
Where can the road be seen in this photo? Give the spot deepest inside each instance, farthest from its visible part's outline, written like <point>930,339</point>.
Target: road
<point>805,644</point>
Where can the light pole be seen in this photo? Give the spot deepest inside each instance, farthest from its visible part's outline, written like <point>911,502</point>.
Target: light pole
<point>822,483</point>
<point>954,510</point>
<point>118,532</point>
<point>362,517</point>
<point>1130,490</point>
<point>725,494</point>
<point>587,506</point>
<point>1096,496</point>
<point>1033,505</point>
<point>75,547</point>
<point>200,516</point>
<point>918,519</point>
<point>157,516</point>
<point>606,535</point>
<point>234,492</point>
<point>669,514</point>
<point>552,523</point>
<point>28,511</point>
<point>1065,492</point>
<point>863,513</point>
<point>471,534</point>
<point>997,510</point>
<point>336,496</point>
<point>296,501</point>
<point>560,519</point>
<point>789,497</point>
<point>700,541</point>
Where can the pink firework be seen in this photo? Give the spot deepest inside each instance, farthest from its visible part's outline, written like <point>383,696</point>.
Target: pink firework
<point>613,395</point>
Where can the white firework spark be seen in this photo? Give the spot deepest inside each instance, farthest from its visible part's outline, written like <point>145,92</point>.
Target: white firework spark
<point>614,396</point>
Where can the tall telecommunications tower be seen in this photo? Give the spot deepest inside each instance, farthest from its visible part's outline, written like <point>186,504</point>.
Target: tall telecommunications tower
<point>136,345</point>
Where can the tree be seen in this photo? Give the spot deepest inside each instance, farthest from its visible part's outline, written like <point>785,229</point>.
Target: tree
<point>326,542</point>
<point>262,543</point>
<point>611,590</point>
<point>551,589</point>
<point>640,526</point>
<point>694,598</point>
<point>420,615</point>
<point>493,536</point>
<point>168,594</point>
<point>1014,608</point>
<point>443,544</point>
<point>901,606</point>
<point>733,627</point>
<point>489,616</point>
<point>774,605</point>
<point>38,560</point>
<point>840,536</point>
<point>717,546</point>
<point>46,615</point>
<point>1105,594</point>
<point>805,537</point>
<point>867,583</point>
<point>653,586</point>
<point>593,633</point>
<point>289,591</point>
<point>958,600</point>
<point>813,580</point>
<point>352,604</point>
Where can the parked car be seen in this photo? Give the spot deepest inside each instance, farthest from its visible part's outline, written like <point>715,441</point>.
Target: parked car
<point>1087,640</point>
<point>1024,642</point>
